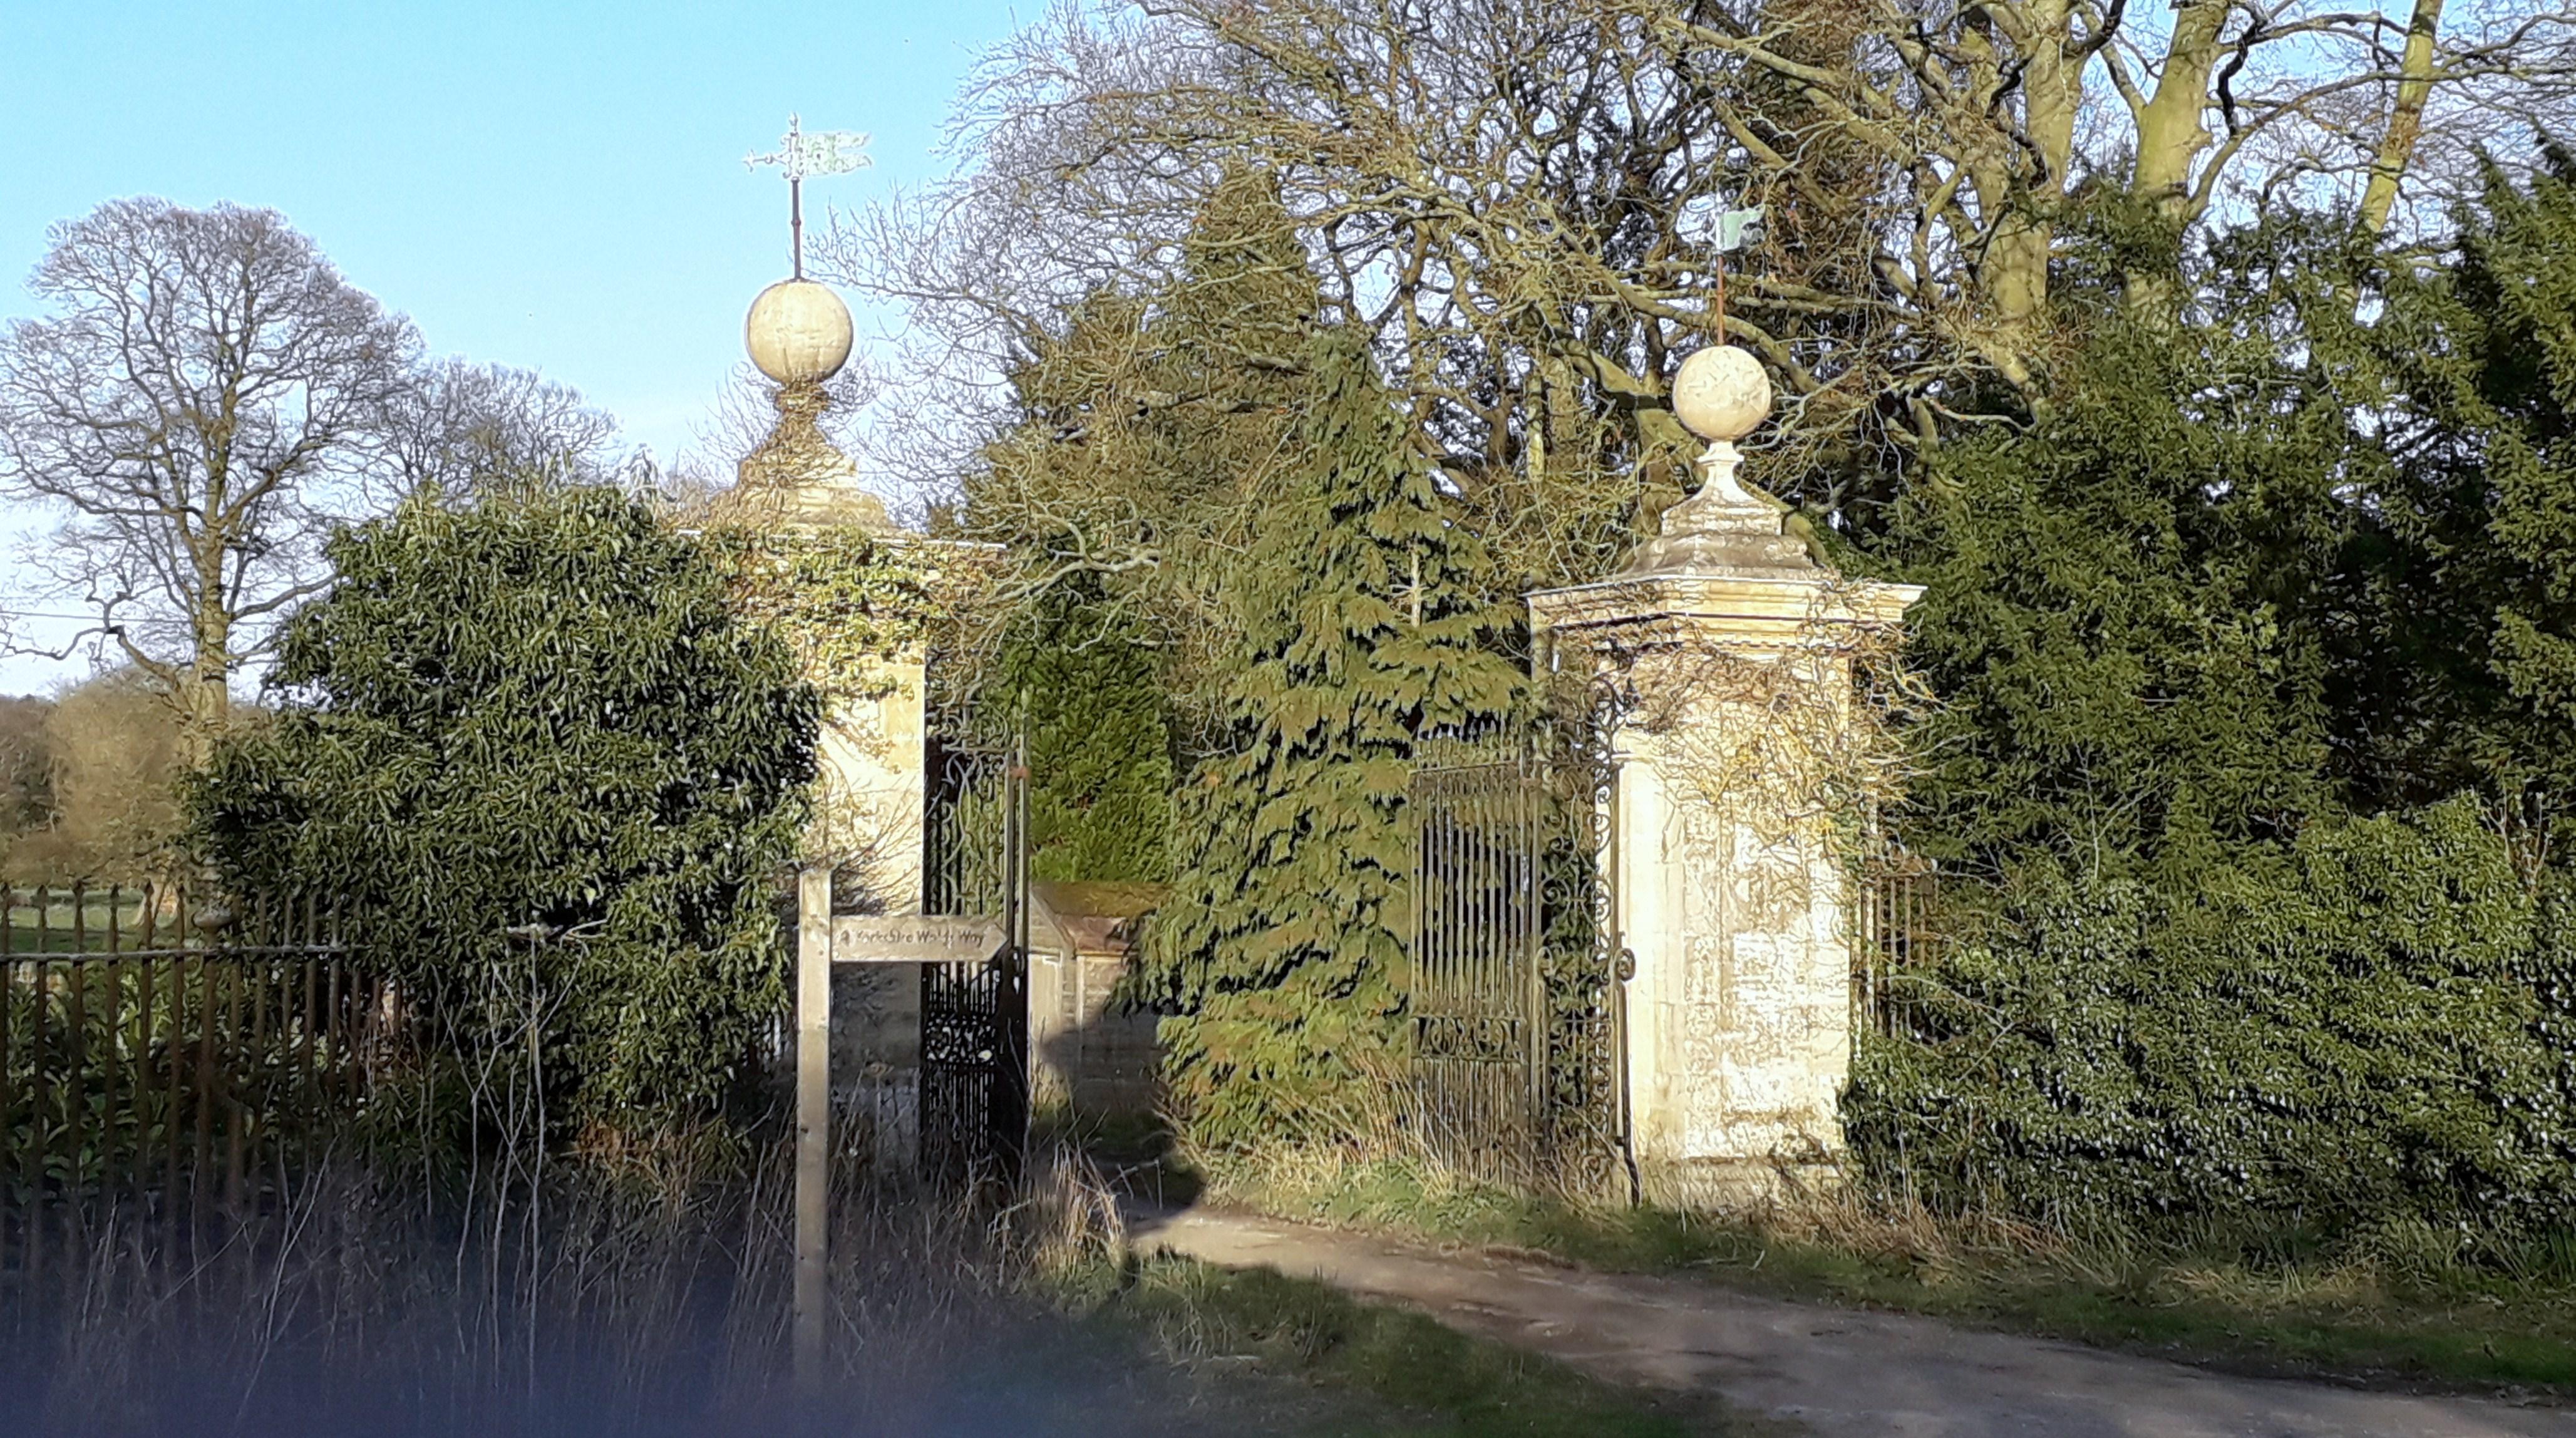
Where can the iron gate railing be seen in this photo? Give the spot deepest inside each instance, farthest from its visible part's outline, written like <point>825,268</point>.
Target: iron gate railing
<point>1893,937</point>
<point>1513,983</point>
<point>974,1104</point>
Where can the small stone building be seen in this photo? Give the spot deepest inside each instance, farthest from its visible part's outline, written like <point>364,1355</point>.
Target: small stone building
<point>1089,1050</point>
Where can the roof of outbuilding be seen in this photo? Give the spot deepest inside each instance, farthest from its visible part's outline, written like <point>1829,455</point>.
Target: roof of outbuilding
<point>1099,917</point>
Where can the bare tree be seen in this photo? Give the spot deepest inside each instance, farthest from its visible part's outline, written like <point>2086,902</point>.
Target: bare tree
<point>1516,195</point>
<point>207,397</point>
<point>461,425</point>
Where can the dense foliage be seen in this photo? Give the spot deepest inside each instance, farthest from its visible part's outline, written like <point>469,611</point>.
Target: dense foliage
<point>846,601</point>
<point>533,748</point>
<point>2112,610</point>
<point>2469,680</point>
<point>1361,631</point>
<point>1093,704</point>
<point>2361,1025</point>
<point>2253,770</point>
<point>2250,621</point>
<point>1149,433</point>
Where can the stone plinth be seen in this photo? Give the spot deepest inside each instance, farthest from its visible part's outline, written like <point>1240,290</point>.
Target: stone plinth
<point>797,477</point>
<point>1728,888</point>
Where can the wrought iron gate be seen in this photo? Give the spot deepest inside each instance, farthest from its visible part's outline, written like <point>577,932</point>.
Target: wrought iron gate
<point>1513,985</point>
<point>974,1105</point>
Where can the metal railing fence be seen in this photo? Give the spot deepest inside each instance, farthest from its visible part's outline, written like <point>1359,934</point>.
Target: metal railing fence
<point>1893,934</point>
<point>169,1057</point>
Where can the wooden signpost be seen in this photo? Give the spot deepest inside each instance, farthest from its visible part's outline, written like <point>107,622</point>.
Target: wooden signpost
<point>821,942</point>
<point>813,1113</point>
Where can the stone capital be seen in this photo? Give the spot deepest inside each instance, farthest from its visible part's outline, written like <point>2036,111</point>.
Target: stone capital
<point>1761,610</point>
<point>1720,565</point>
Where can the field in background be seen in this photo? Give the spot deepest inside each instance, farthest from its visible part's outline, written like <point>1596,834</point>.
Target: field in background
<point>81,918</point>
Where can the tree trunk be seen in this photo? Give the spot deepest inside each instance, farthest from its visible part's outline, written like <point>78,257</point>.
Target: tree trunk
<point>2172,132</point>
<point>2052,90</point>
<point>2405,121</point>
<point>2171,129</point>
<point>205,704</point>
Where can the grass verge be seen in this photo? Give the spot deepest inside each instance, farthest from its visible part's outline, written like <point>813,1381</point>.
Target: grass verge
<point>2402,1307</point>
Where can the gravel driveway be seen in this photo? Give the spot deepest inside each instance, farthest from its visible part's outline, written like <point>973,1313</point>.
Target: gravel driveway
<point>1835,1371</point>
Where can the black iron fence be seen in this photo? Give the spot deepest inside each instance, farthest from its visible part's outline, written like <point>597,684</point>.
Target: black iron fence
<point>166,1056</point>
<point>1893,938</point>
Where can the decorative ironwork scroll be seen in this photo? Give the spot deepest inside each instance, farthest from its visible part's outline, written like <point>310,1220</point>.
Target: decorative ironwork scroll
<point>974,1016</point>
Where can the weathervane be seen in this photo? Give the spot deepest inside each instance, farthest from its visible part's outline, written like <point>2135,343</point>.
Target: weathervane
<point>1735,229</point>
<point>825,152</point>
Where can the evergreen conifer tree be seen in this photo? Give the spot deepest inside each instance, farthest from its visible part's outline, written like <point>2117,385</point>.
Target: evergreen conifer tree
<point>2121,600</point>
<point>1090,699</point>
<point>1127,491</point>
<point>2273,573</point>
<point>2473,562</point>
<point>1148,427</point>
<point>1360,630</point>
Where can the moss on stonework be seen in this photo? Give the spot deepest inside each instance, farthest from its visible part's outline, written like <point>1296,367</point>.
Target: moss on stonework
<point>849,603</point>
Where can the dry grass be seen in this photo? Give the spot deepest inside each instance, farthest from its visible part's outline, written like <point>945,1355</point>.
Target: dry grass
<point>637,1293</point>
<point>599,1301</point>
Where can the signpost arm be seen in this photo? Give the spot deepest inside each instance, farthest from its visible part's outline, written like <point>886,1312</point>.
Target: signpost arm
<point>813,1114</point>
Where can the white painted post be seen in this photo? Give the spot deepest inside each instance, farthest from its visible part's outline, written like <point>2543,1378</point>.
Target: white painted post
<point>813,1115</point>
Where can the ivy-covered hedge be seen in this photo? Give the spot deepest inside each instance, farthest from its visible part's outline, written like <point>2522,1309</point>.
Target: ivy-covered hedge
<point>2372,1023</point>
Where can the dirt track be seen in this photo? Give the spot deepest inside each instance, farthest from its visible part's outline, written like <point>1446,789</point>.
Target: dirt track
<point>1837,1372</point>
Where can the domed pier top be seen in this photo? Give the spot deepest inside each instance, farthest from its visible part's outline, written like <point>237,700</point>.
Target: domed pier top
<point>1721,393</point>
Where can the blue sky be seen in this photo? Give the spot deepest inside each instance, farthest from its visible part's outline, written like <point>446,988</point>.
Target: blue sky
<point>554,186</point>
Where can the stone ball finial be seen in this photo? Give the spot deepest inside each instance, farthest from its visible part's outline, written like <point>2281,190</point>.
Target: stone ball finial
<point>1721,393</point>
<point>798,332</point>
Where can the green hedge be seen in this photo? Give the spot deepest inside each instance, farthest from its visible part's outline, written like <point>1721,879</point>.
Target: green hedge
<point>2369,1024</point>
<point>538,718</point>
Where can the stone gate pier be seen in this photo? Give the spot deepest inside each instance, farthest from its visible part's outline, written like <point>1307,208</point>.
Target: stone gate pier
<point>818,561</point>
<point>1732,651</point>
